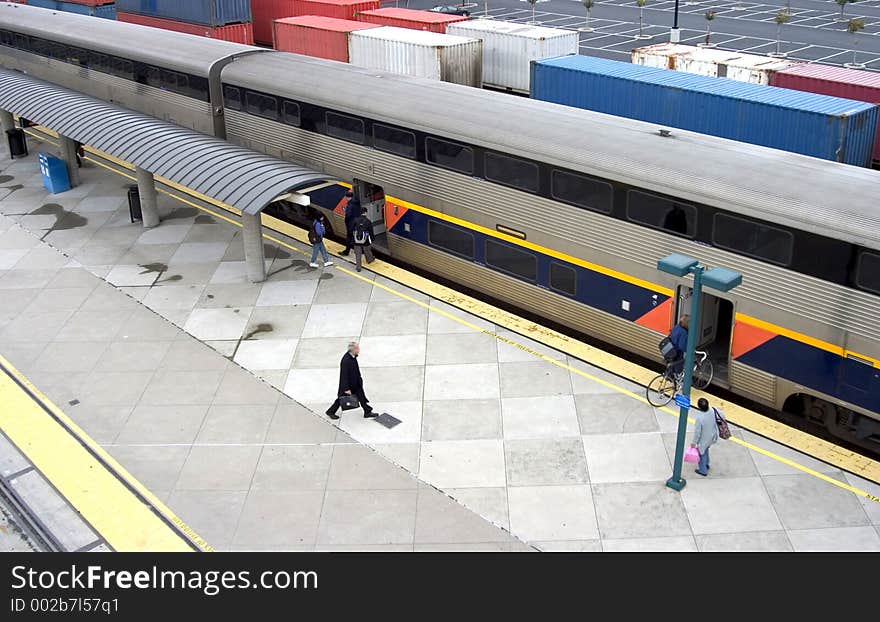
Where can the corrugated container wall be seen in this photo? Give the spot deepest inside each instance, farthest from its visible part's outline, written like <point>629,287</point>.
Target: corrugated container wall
<point>837,81</point>
<point>85,2</point>
<point>409,18</point>
<point>816,125</point>
<point>205,12</point>
<point>267,11</point>
<point>312,35</point>
<point>418,53</point>
<point>509,48</point>
<point>106,11</point>
<point>340,9</point>
<point>236,33</point>
<point>738,66</point>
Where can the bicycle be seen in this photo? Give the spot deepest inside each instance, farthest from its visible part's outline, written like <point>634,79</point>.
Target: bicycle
<point>662,389</point>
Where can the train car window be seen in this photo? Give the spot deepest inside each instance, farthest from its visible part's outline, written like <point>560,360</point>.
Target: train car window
<point>345,127</point>
<point>290,113</point>
<point>563,279</point>
<point>868,273</point>
<point>39,46</point>
<point>582,191</point>
<point>98,62</point>
<point>753,239</point>
<point>232,97</point>
<point>512,172</point>
<point>451,239</point>
<point>122,68</point>
<point>6,38</point>
<point>450,155</point>
<point>512,260</point>
<point>660,213</point>
<point>77,56</point>
<point>393,140</point>
<point>261,105</point>
<point>154,77</point>
<point>58,51</point>
<point>21,42</point>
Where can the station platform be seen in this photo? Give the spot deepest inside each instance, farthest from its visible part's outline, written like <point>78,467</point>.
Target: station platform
<point>209,391</point>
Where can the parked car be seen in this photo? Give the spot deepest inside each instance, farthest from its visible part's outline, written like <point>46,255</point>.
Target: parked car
<point>451,9</point>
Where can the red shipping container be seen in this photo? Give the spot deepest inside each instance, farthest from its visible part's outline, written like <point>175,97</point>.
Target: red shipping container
<point>264,12</point>
<point>313,35</point>
<point>236,33</point>
<point>410,18</point>
<point>832,80</point>
<point>340,9</point>
<point>90,2</point>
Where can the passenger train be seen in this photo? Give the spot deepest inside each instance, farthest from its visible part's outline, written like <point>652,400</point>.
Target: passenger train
<point>558,211</point>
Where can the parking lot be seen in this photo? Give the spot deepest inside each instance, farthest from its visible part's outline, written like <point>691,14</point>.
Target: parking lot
<point>813,34</point>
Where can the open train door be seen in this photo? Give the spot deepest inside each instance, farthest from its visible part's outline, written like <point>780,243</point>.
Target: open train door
<point>716,327</point>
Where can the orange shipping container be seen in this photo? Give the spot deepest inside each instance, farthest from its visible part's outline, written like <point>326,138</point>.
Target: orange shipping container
<point>340,9</point>
<point>410,18</point>
<point>313,35</point>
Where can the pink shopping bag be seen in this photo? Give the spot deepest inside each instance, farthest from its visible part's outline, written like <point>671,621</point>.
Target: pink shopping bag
<point>692,455</point>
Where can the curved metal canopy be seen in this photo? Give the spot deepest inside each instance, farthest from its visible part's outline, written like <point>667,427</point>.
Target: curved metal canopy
<point>244,179</point>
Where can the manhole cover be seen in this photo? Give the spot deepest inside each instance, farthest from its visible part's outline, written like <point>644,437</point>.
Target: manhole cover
<point>387,420</point>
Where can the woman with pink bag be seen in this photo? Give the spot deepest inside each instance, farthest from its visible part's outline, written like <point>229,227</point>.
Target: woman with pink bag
<point>705,435</point>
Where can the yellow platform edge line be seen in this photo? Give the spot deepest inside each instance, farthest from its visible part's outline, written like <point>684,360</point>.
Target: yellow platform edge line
<point>114,511</point>
<point>820,449</point>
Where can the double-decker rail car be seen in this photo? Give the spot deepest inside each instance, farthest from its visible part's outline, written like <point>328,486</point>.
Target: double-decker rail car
<point>168,75</point>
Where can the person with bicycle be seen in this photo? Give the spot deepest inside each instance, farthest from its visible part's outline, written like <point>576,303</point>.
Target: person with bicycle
<point>679,338</point>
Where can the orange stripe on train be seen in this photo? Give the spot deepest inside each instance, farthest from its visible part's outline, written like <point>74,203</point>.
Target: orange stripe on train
<point>393,213</point>
<point>747,337</point>
<point>659,318</point>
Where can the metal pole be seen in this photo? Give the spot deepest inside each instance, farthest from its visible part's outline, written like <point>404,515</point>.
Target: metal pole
<point>675,33</point>
<point>147,193</point>
<point>677,482</point>
<point>7,122</point>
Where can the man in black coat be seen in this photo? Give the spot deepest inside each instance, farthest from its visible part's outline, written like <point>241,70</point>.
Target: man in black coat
<point>352,212</point>
<point>351,382</point>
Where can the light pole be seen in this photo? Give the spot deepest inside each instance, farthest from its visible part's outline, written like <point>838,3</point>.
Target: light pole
<point>721,279</point>
<point>675,33</point>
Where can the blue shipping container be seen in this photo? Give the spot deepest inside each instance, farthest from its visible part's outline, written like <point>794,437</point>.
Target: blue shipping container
<point>205,12</point>
<point>44,4</point>
<point>107,11</point>
<point>816,125</point>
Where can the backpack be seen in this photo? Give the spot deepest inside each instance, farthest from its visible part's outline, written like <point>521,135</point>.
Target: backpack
<point>362,232</point>
<point>667,349</point>
<point>313,237</point>
<point>721,422</point>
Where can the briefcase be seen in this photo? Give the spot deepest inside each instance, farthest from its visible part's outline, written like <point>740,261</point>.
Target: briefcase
<point>348,402</point>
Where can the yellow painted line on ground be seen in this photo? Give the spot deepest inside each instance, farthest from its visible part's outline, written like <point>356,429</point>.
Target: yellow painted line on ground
<point>820,449</point>
<point>69,459</point>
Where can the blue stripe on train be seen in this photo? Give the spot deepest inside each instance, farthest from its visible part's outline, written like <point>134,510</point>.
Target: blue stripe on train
<point>594,289</point>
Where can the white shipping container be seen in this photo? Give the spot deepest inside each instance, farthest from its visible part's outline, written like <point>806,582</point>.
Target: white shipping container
<point>510,48</point>
<point>738,66</point>
<point>418,53</point>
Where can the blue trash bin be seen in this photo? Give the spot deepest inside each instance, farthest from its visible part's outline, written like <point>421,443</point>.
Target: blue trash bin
<point>54,170</point>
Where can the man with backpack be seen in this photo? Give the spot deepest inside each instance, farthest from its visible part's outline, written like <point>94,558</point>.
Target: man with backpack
<point>316,237</point>
<point>352,211</point>
<point>362,237</point>
<point>709,426</point>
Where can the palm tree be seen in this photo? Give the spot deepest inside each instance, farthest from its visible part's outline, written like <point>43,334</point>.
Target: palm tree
<point>854,26</point>
<point>782,17</point>
<point>710,15</point>
<point>842,3</point>
<point>485,14</point>
<point>533,3</point>
<point>588,5</point>
<point>641,4</point>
